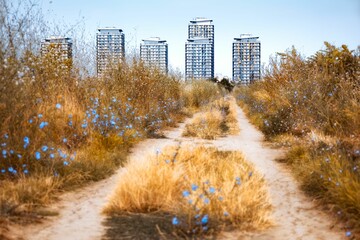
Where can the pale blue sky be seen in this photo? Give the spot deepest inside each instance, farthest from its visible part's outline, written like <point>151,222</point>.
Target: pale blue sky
<point>306,24</point>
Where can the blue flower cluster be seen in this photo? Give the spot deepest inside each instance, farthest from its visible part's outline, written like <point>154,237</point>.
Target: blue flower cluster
<point>107,117</point>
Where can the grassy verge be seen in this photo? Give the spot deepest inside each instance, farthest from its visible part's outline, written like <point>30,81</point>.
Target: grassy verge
<point>312,106</point>
<point>200,190</point>
<point>218,120</point>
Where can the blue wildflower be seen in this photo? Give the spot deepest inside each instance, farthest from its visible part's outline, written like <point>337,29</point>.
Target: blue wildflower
<point>6,136</point>
<point>205,228</point>
<point>205,219</point>
<point>3,170</point>
<point>11,151</point>
<point>19,156</point>
<point>43,124</point>
<point>167,161</point>
<point>84,125</point>
<point>66,163</point>
<point>58,105</point>
<point>44,148</point>
<point>206,201</point>
<point>70,123</point>
<point>64,140</point>
<point>40,115</point>
<point>238,181</point>
<point>226,214</point>
<point>250,174</point>
<point>348,234</point>
<point>212,190</point>
<point>175,221</point>
<point>194,187</point>
<point>197,216</point>
<point>221,198</point>
<point>185,193</point>
<point>30,121</point>
<point>190,201</point>
<point>26,171</point>
<point>52,155</point>
<point>37,155</point>
<point>26,142</point>
<point>11,169</point>
<point>4,152</point>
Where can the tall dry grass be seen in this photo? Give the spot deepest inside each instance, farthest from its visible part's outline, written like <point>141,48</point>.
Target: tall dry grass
<point>312,106</point>
<point>198,93</point>
<point>57,124</point>
<point>217,120</point>
<point>204,188</point>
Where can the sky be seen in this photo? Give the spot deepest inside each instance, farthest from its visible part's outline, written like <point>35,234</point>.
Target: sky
<point>279,24</point>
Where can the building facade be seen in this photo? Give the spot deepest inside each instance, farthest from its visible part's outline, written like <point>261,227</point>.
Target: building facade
<point>246,57</point>
<point>61,47</point>
<point>154,53</point>
<point>110,48</point>
<point>199,49</point>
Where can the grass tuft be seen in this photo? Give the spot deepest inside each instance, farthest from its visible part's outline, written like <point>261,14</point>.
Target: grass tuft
<point>193,184</point>
<point>218,120</point>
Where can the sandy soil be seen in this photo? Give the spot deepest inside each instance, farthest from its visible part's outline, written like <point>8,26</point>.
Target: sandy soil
<point>295,215</point>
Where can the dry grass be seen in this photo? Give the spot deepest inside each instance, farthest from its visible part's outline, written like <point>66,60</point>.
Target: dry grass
<point>198,93</point>
<point>56,123</point>
<point>206,125</point>
<point>27,193</point>
<point>218,120</point>
<point>191,183</point>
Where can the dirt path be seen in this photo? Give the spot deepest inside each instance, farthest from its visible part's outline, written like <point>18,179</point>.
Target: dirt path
<point>80,215</point>
<point>294,214</point>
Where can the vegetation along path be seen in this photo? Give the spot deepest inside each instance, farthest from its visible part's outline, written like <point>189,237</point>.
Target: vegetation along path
<point>294,215</point>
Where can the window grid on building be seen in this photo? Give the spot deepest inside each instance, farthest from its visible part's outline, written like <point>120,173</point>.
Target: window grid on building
<point>154,53</point>
<point>199,50</point>
<point>246,59</point>
<point>110,48</point>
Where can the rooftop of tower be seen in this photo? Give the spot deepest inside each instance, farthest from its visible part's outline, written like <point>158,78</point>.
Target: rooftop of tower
<point>201,21</point>
<point>57,39</point>
<point>153,40</point>
<point>109,29</point>
<point>246,37</point>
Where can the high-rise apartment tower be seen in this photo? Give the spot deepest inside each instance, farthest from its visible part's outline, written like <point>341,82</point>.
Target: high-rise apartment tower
<point>58,46</point>
<point>110,48</point>
<point>154,53</point>
<point>199,49</point>
<point>246,59</point>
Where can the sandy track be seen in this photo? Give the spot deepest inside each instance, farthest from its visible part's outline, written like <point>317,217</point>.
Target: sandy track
<point>295,216</point>
<point>80,215</point>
